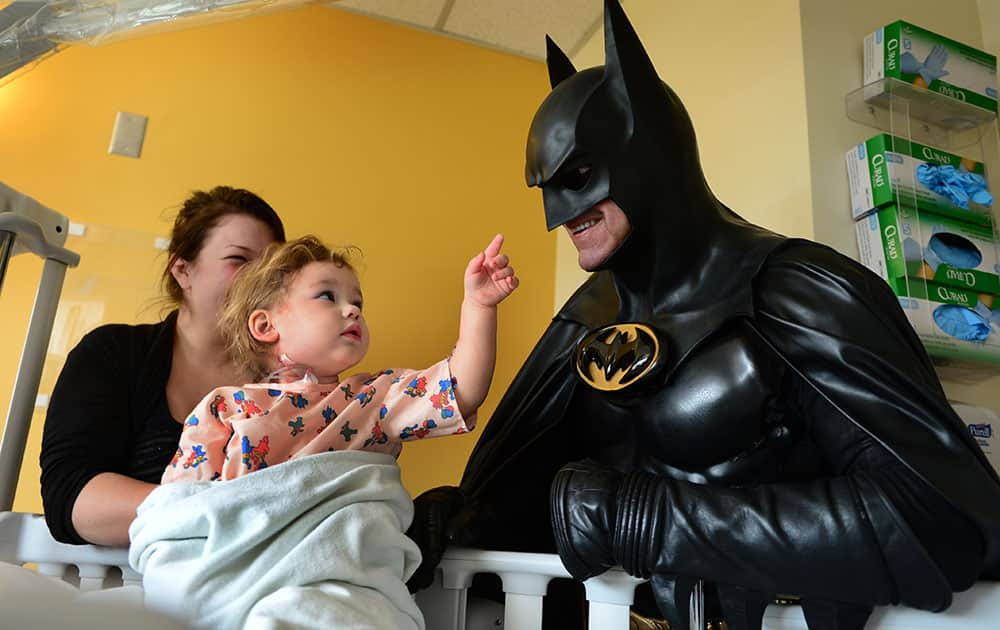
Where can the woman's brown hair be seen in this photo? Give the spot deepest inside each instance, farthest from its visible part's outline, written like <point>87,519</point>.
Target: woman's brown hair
<point>196,218</point>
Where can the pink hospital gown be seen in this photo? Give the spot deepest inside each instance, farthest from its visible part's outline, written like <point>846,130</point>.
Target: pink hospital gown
<point>237,430</point>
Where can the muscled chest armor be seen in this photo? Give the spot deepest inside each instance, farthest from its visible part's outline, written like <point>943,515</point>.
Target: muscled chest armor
<point>713,417</point>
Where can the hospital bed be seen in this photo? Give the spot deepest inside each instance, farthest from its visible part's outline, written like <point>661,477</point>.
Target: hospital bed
<point>28,227</point>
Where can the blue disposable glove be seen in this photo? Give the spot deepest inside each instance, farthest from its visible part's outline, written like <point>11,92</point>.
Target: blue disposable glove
<point>958,185</point>
<point>975,185</point>
<point>931,259</point>
<point>951,249</point>
<point>962,323</point>
<point>934,64</point>
<point>944,180</point>
<point>911,250</point>
<point>909,64</point>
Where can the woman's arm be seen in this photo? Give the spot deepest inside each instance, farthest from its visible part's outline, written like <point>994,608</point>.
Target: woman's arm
<point>89,433</point>
<point>105,508</point>
<point>106,505</point>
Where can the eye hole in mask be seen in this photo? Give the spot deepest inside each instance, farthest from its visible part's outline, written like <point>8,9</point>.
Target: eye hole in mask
<point>575,178</point>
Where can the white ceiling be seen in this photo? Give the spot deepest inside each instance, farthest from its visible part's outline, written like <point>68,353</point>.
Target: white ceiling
<point>514,26</point>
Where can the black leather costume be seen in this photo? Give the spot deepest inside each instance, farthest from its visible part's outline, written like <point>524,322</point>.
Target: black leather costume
<point>790,435</point>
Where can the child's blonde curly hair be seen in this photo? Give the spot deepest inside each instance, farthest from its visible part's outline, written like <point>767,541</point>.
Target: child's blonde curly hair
<point>262,284</point>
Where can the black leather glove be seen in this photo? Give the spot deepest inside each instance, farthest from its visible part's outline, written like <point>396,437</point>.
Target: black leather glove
<point>433,510</point>
<point>602,518</point>
<point>675,532</point>
<point>583,506</point>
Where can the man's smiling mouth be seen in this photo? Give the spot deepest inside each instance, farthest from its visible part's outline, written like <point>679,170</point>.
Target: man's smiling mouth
<point>584,222</point>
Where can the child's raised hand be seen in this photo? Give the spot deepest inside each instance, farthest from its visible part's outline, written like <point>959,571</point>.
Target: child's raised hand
<point>489,278</point>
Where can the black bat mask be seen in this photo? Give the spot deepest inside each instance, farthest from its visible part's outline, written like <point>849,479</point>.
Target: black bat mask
<point>618,132</point>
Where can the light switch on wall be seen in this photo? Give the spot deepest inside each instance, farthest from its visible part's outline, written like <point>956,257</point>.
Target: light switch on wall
<point>128,134</point>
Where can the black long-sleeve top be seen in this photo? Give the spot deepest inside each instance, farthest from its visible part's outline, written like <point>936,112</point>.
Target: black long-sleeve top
<point>108,413</point>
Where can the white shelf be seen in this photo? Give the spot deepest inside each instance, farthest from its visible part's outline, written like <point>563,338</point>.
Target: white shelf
<point>919,114</point>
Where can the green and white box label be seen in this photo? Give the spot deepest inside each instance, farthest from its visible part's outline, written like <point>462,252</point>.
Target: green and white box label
<point>914,55</point>
<point>900,243</point>
<point>886,169</point>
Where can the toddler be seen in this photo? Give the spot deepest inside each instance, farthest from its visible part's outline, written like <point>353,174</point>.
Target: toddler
<point>312,539</point>
<point>293,318</point>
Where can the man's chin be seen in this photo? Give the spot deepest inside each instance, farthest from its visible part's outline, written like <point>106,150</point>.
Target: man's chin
<point>591,263</point>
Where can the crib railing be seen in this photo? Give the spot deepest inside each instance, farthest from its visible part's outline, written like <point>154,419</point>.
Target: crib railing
<point>24,538</point>
<point>525,578</point>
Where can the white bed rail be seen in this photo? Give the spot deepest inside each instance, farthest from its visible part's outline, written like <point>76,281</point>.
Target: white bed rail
<point>24,538</point>
<point>525,578</point>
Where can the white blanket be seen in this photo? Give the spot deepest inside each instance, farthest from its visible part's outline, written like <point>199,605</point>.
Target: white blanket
<point>316,542</point>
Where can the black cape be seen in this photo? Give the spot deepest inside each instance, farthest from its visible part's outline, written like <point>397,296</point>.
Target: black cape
<point>834,323</point>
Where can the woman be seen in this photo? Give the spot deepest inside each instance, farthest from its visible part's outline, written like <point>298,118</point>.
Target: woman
<point>117,410</point>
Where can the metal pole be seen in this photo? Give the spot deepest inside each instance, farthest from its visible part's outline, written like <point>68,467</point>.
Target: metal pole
<point>29,373</point>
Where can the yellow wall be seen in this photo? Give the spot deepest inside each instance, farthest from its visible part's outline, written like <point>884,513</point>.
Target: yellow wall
<point>989,21</point>
<point>409,145</point>
<point>738,70</point>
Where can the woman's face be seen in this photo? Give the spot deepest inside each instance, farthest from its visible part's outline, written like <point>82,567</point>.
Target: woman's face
<point>234,241</point>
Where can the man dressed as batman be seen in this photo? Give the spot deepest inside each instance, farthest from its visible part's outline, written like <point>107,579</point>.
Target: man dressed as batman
<point>716,402</point>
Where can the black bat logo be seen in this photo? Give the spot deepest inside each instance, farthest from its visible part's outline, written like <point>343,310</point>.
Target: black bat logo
<point>616,356</point>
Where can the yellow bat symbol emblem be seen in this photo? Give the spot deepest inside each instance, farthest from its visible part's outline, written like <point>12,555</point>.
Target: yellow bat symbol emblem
<point>614,357</point>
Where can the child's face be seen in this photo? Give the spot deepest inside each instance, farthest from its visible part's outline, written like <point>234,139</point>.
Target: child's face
<point>319,323</point>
